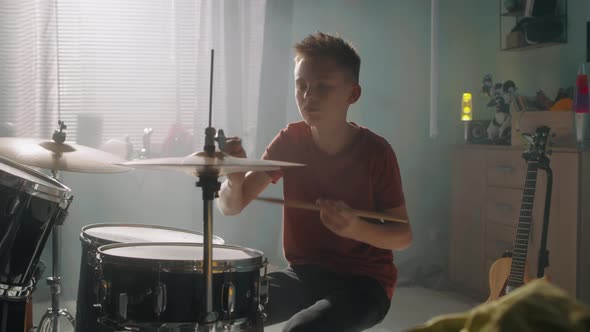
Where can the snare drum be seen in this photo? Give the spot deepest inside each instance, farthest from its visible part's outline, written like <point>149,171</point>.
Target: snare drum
<point>155,285</point>
<point>96,235</point>
<point>31,203</point>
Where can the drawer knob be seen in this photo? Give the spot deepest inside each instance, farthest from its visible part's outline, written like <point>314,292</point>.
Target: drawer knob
<point>504,169</point>
<point>504,207</point>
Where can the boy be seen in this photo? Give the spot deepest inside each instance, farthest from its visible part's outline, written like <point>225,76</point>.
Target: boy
<point>341,273</point>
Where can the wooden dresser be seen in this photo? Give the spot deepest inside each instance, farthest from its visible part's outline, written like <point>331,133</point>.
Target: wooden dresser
<point>487,188</point>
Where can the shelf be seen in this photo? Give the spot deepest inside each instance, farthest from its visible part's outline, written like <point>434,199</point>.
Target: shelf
<point>532,46</point>
<point>512,25</point>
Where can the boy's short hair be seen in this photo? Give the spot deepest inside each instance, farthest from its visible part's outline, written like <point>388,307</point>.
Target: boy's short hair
<point>330,46</point>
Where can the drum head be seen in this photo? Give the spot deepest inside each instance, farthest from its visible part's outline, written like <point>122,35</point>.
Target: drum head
<point>179,257</point>
<point>102,234</point>
<point>21,177</point>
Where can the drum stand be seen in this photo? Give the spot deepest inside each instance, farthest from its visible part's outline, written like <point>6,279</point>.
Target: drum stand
<point>50,320</point>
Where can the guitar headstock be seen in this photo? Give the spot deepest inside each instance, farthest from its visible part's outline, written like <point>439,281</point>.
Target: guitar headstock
<point>536,149</point>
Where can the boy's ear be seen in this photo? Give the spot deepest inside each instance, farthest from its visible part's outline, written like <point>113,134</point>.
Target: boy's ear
<point>355,94</point>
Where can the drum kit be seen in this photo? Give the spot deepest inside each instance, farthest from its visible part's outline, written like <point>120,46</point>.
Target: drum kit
<point>133,277</point>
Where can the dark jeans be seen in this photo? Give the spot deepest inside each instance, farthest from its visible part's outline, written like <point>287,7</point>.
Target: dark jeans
<point>311,299</point>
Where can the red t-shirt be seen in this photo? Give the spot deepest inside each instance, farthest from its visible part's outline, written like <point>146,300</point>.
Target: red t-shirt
<point>365,176</point>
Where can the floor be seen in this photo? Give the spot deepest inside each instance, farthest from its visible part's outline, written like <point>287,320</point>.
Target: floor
<point>410,306</point>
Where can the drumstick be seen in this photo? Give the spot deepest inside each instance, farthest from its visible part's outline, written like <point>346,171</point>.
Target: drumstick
<point>314,207</point>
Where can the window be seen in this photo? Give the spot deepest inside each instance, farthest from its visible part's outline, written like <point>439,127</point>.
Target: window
<point>132,64</point>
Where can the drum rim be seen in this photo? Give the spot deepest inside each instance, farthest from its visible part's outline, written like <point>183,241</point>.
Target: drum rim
<point>219,266</point>
<point>239,322</point>
<point>57,195</point>
<point>98,242</point>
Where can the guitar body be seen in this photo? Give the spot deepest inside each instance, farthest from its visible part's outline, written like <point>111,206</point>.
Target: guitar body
<point>498,277</point>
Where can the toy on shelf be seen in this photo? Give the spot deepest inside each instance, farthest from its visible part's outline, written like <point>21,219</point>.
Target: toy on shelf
<point>501,96</point>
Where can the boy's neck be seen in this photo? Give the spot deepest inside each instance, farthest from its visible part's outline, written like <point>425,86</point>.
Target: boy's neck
<point>335,138</point>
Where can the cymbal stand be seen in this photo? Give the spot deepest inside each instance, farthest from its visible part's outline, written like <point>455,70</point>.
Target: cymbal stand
<point>50,320</point>
<point>208,181</point>
<point>210,186</point>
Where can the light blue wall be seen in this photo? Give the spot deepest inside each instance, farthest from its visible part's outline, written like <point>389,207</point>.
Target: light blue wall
<point>393,38</point>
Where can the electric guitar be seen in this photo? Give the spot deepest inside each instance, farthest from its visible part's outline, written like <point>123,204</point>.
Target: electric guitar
<point>508,273</point>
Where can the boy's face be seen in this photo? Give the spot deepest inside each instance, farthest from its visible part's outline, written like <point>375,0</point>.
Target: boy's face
<point>323,90</point>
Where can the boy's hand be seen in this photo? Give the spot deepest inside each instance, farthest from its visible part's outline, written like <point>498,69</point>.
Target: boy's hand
<point>233,147</point>
<point>338,218</point>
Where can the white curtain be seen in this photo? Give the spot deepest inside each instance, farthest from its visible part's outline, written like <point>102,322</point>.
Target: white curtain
<point>131,64</point>
<point>27,70</point>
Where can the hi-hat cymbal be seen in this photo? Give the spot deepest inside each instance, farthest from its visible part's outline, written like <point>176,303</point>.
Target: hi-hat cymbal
<point>201,163</point>
<point>67,156</point>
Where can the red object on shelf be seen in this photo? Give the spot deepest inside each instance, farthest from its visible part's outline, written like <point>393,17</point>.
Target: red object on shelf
<point>581,94</point>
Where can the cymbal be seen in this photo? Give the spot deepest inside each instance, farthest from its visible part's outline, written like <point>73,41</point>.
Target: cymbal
<point>201,163</point>
<point>67,156</point>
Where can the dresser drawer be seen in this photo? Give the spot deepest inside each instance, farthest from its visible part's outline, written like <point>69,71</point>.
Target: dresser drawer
<point>505,168</point>
<point>503,205</point>
<point>498,239</point>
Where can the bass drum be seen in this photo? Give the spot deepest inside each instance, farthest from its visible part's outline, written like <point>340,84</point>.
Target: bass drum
<point>156,286</point>
<point>96,235</point>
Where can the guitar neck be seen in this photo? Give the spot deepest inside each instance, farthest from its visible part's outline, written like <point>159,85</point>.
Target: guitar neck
<point>521,243</point>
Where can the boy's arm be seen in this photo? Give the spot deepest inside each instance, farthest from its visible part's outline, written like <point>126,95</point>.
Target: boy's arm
<point>239,190</point>
<point>337,217</point>
<point>390,235</point>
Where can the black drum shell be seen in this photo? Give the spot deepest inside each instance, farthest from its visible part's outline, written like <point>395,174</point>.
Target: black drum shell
<point>138,280</point>
<point>31,203</point>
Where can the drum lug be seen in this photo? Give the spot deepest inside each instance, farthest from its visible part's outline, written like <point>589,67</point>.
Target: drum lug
<point>12,206</point>
<point>262,313</point>
<point>228,296</point>
<point>63,212</point>
<point>265,264</point>
<point>264,290</point>
<point>102,285</point>
<point>160,298</point>
<point>65,204</point>
<point>123,301</point>
<point>264,285</point>
<point>92,260</point>
<point>103,293</point>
